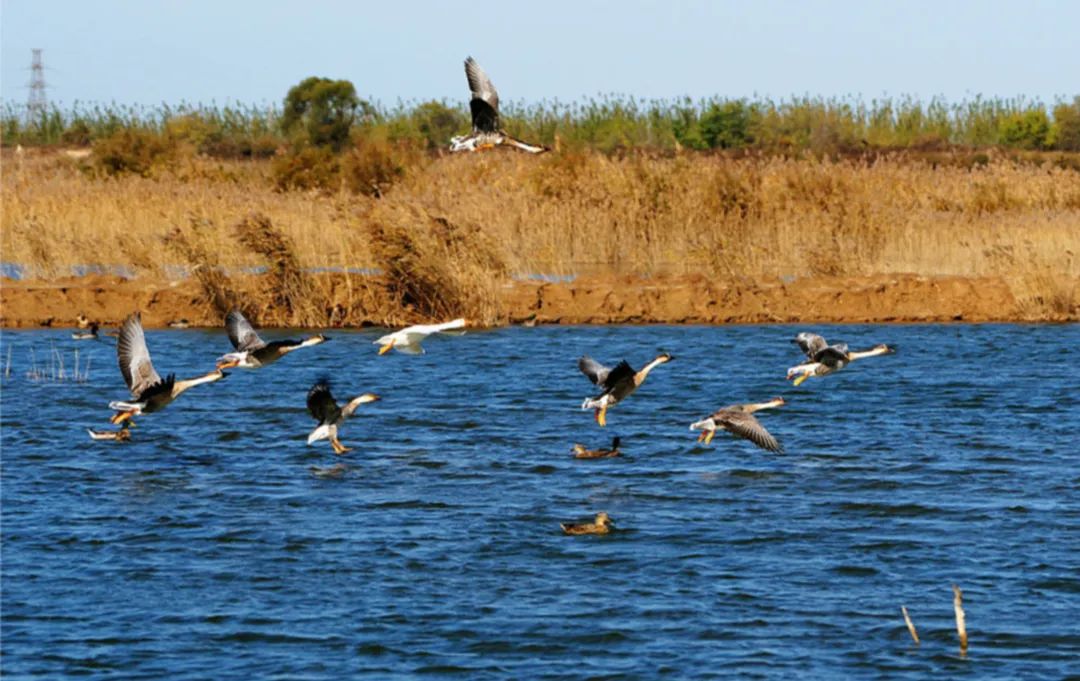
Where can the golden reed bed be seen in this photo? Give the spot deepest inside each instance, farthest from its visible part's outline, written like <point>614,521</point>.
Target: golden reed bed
<point>453,230</point>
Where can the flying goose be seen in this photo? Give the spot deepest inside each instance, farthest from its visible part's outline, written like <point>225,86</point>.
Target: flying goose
<point>739,420</point>
<point>618,383</point>
<point>253,352</point>
<point>324,408</point>
<point>151,392</point>
<point>602,525</point>
<point>484,105</point>
<point>826,359</point>
<point>408,339</point>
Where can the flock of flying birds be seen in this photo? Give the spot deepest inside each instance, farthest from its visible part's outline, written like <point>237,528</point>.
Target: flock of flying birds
<point>150,392</point>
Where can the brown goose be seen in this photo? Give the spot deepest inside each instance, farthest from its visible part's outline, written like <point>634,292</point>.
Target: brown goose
<point>151,392</point>
<point>826,359</point>
<point>484,105</point>
<point>580,452</point>
<point>602,525</point>
<point>618,383</point>
<point>253,352</point>
<point>739,420</point>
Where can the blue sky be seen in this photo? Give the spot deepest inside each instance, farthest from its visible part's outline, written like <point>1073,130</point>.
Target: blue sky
<point>149,52</point>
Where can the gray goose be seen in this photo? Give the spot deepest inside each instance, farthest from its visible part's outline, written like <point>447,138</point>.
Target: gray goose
<point>618,383</point>
<point>826,359</point>
<point>253,352</point>
<point>324,408</point>
<point>151,392</point>
<point>484,106</point>
<point>739,420</point>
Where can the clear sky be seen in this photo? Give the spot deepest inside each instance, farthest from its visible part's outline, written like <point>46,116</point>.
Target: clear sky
<point>152,51</point>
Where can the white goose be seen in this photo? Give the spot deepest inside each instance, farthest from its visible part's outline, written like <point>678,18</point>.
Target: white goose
<point>408,339</point>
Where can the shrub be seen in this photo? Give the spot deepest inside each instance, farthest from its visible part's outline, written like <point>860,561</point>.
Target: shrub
<point>131,150</point>
<point>375,165</point>
<point>1027,130</point>
<point>306,168</point>
<point>437,123</point>
<point>1066,130</point>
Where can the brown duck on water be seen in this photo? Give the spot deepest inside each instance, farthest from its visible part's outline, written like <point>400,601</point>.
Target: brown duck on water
<point>151,392</point>
<point>580,452</point>
<point>602,525</point>
<point>618,383</point>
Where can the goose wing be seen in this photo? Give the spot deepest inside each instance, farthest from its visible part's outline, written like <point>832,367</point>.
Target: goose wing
<point>832,355</point>
<point>485,100</point>
<point>596,371</point>
<point>620,373</point>
<point>321,404</point>
<point>810,343</point>
<point>746,426</point>
<point>241,334</point>
<point>133,356</point>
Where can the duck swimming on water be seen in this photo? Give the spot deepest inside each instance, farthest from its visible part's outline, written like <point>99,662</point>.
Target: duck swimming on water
<point>826,359</point>
<point>324,408</point>
<point>91,334</point>
<point>739,420</point>
<point>603,524</point>
<point>253,352</point>
<point>618,383</point>
<point>580,452</point>
<point>484,105</point>
<point>151,392</point>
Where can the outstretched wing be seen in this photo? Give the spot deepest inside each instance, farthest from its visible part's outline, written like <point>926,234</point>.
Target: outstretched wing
<point>485,100</point>
<point>832,355</point>
<point>745,425</point>
<point>620,373</point>
<point>133,356</point>
<point>321,404</point>
<point>241,333</point>
<point>596,371</point>
<point>810,343</point>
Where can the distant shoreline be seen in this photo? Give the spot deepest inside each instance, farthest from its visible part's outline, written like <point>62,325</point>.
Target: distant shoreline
<point>357,301</point>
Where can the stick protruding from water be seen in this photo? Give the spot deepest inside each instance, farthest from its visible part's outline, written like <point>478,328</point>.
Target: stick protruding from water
<point>910,625</point>
<point>961,627</point>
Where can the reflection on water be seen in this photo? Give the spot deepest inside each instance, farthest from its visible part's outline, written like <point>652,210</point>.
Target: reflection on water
<point>218,543</point>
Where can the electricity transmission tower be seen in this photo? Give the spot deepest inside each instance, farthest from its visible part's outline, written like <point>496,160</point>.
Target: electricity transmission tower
<point>37,103</point>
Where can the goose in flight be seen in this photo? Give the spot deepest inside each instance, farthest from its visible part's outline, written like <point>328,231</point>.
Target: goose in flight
<point>324,408</point>
<point>603,524</point>
<point>739,420</point>
<point>618,383</point>
<point>408,339</point>
<point>826,359</point>
<point>151,392</point>
<point>484,105</point>
<point>253,352</point>
<point>580,452</point>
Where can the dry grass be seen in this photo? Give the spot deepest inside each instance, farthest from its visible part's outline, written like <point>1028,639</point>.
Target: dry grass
<point>449,231</point>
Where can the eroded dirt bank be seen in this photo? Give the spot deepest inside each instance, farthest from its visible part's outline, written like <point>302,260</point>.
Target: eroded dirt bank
<point>358,301</point>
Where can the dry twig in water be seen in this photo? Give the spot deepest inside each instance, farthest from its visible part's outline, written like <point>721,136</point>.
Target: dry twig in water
<point>961,628</point>
<point>910,625</point>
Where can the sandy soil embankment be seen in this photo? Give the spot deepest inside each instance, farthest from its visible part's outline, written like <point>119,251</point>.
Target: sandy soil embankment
<point>587,300</point>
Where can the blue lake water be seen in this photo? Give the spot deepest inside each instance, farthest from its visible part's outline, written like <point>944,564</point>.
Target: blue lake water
<point>205,548</point>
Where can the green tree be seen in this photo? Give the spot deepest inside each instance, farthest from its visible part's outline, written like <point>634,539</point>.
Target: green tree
<point>1066,131</point>
<point>437,123</point>
<point>727,125</point>
<point>1027,130</point>
<point>321,111</point>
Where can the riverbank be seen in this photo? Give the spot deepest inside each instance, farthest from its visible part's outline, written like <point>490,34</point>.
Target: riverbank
<point>357,300</point>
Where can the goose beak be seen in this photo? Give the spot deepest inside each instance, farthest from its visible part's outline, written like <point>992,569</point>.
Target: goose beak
<point>386,348</point>
<point>229,364</point>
